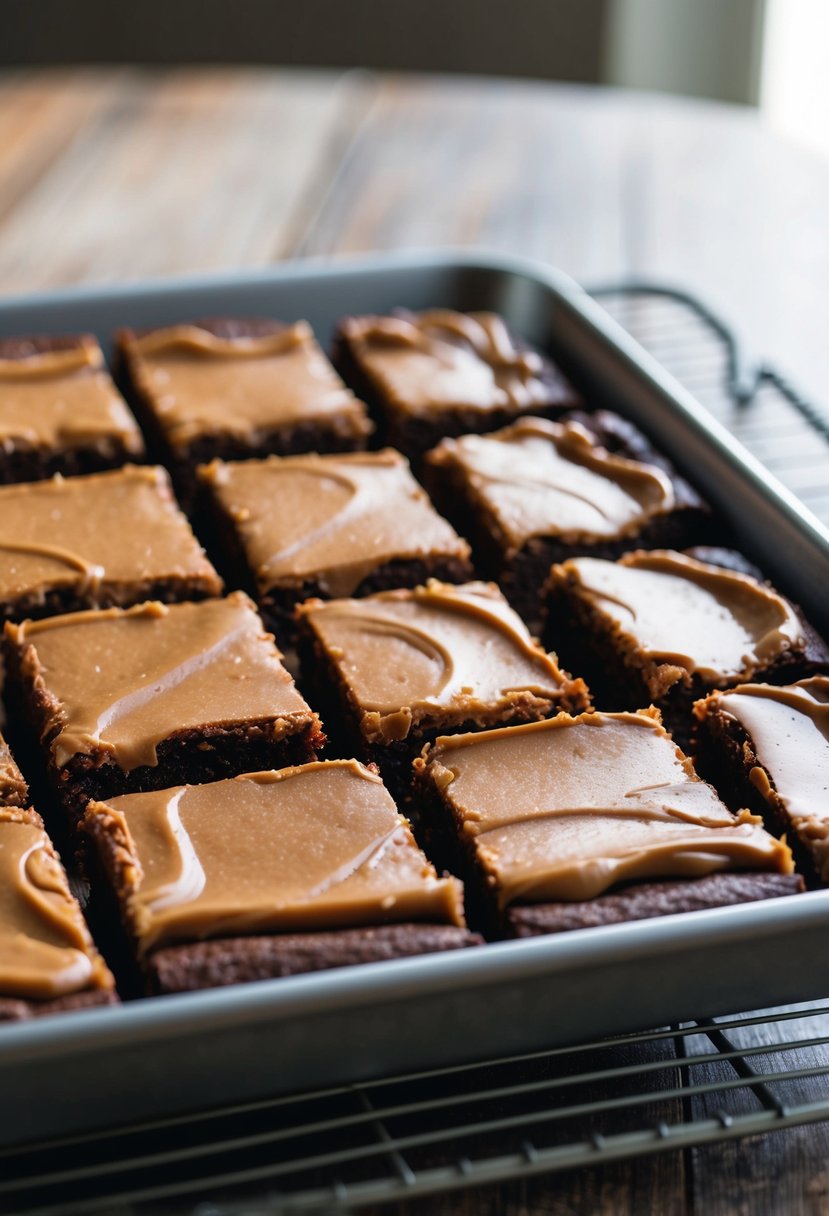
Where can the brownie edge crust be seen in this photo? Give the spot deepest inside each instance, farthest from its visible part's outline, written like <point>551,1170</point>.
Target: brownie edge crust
<point>212,964</point>
<point>644,901</point>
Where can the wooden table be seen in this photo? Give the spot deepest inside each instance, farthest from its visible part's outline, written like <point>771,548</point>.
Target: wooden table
<point>121,175</point>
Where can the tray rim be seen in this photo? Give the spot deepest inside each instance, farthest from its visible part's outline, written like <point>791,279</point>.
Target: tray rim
<point>169,1017</point>
<point>451,258</point>
<point>149,1019</point>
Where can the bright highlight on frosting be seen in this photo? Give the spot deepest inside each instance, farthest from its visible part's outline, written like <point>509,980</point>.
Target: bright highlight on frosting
<point>674,609</point>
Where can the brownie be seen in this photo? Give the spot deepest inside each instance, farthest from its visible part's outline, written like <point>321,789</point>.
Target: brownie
<point>235,960</point>
<point>48,962</point>
<point>666,628</point>
<point>430,374</point>
<point>539,492</point>
<point>236,388</point>
<point>13,788</point>
<point>271,874</point>
<point>400,667</point>
<point>141,698</point>
<point>328,526</point>
<point>575,809</point>
<point>767,747</point>
<point>113,538</point>
<point>60,411</point>
<point>646,900</point>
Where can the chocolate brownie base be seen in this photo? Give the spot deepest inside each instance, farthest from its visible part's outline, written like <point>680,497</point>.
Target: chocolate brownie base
<point>14,1010</point>
<point>37,463</point>
<point>646,900</point>
<point>188,758</point>
<point>213,964</point>
<point>413,435</point>
<point>59,601</point>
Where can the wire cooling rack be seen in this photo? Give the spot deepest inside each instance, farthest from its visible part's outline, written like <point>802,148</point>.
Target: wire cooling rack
<point>339,1149</point>
<point>777,423</point>
<point>669,1089</point>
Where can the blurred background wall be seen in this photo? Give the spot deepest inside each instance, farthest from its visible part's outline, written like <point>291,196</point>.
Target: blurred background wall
<point>554,39</point>
<point>663,44</point>
<point>770,53</point>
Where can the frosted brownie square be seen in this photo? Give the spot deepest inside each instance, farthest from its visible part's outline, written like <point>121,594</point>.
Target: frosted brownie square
<point>437,373</point>
<point>48,962</point>
<point>666,627</point>
<point>271,874</point>
<point>767,747</point>
<point>587,820</point>
<point>236,388</point>
<point>60,411</point>
<point>107,539</point>
<point>328,526</point>
<point>122,700</point>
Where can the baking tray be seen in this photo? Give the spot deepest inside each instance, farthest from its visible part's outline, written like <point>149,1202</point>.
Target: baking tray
<point>79,1071</point>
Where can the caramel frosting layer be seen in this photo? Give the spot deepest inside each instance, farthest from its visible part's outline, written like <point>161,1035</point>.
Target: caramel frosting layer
<point>676,610</point>
<point>442,359</point>
<point>348,515</point>
<point>124,680</point>
<point>63,398</point>
<point>789,730</point>
<point>439,654</point>
<point>540,478</point>
<point>45,947</point>
<point>320,846</point>
<point>122,527</point>
<point>199,383</point>
<point>565,809</point>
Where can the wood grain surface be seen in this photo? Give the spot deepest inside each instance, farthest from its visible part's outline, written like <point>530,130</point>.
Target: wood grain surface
<point>122,174</point>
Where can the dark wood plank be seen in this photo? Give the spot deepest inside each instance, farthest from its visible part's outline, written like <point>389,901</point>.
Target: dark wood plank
<point>781,1172</point>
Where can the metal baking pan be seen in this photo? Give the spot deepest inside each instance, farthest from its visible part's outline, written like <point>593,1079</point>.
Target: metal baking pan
<point>79,1071</point>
